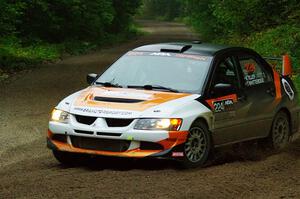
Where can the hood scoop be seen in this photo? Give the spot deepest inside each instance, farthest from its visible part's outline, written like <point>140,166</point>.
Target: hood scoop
<point>117,100</point>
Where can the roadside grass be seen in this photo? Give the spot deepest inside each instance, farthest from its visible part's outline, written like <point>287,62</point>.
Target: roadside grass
<point>18,54</point>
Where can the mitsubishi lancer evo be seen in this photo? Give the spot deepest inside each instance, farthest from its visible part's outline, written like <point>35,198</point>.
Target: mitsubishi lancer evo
<point>177,101</point>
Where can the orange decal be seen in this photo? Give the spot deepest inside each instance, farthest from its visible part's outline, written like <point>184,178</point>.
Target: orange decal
<point>250,68</point>
<point>211,102</point>
<point>130,153</point>
<point>49,134</point>
<point>148,98</point>
<point>175,138</point>
<point>277,84</point>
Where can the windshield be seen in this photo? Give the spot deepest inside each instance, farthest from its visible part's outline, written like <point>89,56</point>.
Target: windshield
<point>181,72</point>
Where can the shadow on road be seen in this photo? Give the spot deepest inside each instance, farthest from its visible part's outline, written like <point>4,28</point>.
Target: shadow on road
<point>246,152</point>
<point>125,164</point>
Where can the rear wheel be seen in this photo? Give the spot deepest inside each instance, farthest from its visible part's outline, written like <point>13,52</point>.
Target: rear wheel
<point>198,146</point>
<point>69,159</point>
<point>280,131</point>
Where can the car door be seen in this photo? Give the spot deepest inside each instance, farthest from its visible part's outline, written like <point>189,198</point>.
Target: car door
<point>258,91</point>
<point>226,102</point>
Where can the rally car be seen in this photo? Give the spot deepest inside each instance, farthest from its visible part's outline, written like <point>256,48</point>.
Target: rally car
<point>179,101</point>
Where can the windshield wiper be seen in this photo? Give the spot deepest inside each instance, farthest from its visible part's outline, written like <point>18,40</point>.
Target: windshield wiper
<point>151,87</point>
<point>108,84</point>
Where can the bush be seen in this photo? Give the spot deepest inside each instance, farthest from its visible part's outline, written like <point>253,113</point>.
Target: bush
<point>14,56</point>
<point>165,10</point>
<point>273,42</point>
<point>41,30</point>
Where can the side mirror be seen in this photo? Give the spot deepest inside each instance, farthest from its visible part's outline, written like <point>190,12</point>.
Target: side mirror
<point>90,78</point>
<point>223,89</point>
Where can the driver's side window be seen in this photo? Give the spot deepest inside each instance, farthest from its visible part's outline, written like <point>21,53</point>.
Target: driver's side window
<point>225,76</point>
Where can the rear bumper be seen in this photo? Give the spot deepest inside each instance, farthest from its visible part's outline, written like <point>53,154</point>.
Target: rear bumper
<point>175,139</point>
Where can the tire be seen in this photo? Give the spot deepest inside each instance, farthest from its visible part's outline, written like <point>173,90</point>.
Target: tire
<point>69,159</point>
<point>280,131</point>
<point>197,147</point>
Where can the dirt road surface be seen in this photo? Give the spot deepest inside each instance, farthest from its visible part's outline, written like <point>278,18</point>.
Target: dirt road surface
<point>28,170</point>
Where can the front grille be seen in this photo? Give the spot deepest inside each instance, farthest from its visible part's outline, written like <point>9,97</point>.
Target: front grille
<point>117,100</point>
<point>84,132</point>
<point>59,137</point>
<point>85,119</point>
<point>150,146</point>
<point>109,134</point>
<point>100,144</point>
<point>112,122</point>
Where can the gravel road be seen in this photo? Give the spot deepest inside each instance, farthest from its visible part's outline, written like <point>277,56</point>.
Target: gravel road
<point>28,170</point>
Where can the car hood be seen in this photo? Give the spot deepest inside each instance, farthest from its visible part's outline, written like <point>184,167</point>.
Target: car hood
<point>122,102</point>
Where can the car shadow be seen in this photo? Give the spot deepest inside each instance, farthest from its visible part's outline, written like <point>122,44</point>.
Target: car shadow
<point>243,152</point>
<point>98,163</point>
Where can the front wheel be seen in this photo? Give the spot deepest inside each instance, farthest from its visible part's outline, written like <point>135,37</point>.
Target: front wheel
<point>280,131</point>
<point>198,146</point>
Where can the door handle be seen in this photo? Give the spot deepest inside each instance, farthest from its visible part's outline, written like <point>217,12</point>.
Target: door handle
<point>271,91</point>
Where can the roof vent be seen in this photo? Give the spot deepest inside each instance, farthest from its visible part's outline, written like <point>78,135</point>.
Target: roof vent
<point>117,100</point>
<point>176,50</point>
<point>197,42</point>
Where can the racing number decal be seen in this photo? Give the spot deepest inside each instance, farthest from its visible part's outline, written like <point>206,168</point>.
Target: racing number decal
<point>219,106</point>
<point>222,104</point>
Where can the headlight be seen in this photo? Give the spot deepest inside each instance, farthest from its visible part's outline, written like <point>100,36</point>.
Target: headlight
<point>158,124</point>
<point>59,116</point>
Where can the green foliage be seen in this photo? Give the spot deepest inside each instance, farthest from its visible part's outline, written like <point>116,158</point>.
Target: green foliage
<point>9,16</point>
<point>283,39</point>
<point>124,10</point>
<point>246,16</point>
<point>200,16</point>
<point>58,20</point>
<point>267,26</point>
<point>14,56</point>
<point>215,18</point>
<point>41,30</point>
<point>162,9</point>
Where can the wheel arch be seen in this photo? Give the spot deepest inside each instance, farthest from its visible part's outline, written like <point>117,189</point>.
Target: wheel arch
<point>202,119</point>
<point>288,113</point>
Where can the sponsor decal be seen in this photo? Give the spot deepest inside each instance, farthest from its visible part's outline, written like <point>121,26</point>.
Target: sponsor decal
<point>254,81</point>
<point>200,58</point>
<point>223,104</point>
<point>135,53</point>
<point>288,89</point>
<point>165,54</point>
<point>161,54</point>
<point>99,111</point>
<point>177,154</point>
<point>250,68</point>
<point>130,138</point>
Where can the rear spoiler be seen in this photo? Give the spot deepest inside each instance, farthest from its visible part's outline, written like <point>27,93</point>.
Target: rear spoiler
<point>287,69</point>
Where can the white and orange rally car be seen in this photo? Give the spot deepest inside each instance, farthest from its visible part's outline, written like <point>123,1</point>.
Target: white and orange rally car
<point>176,100</point>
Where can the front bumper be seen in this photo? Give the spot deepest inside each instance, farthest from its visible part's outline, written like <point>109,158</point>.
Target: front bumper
<point>132,141</point>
